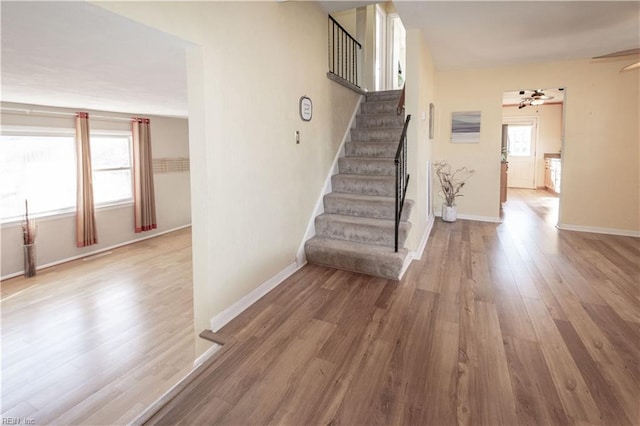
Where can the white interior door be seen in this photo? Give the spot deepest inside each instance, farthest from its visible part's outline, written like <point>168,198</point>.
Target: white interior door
<point>522,141</point>
<point>380,60</point>
<point>397,52</point>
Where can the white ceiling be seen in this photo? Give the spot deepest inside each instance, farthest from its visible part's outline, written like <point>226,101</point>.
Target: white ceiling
<point>470,34</point>
<point>78,55</point>
<point>331,6</point>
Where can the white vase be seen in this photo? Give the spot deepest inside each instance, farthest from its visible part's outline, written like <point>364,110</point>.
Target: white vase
<point>449,213</point>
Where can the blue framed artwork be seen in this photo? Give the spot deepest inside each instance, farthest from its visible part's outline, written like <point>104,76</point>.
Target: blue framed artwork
<point>465,127</point>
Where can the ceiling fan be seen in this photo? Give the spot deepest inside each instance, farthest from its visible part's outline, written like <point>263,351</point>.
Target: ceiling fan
<point>537,97</point>
<point>620,53</point>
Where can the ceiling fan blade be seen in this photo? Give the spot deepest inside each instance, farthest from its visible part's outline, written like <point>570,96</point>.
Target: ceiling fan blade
<point>631,67</point>
<point>627,52</point>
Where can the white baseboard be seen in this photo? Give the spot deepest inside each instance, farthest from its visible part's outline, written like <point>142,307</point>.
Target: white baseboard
<point>319,208</point>
<point>596,230</point>
<point>206,355</point>
<point>474,217</point>
<point>220,320</point>
<point>95,252</point>
<point>417,255</point>
<point>480,218</point>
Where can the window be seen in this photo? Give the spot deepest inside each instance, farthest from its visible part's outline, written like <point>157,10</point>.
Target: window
<point>519,140</point>
<point>42,169</point>
<point>111,163</point>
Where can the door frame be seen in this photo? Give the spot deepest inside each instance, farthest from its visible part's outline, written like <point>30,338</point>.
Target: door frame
<point>392,18</point>
<point>527,119</point>
<point>381,55</point>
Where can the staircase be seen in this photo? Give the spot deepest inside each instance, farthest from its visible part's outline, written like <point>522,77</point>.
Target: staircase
<point>356,232</point>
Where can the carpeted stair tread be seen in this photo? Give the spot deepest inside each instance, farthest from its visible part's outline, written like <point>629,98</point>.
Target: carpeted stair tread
<point>376,135</point>
<point>365,185</point>
<point>365,205</point>
<point>364,258</point>
<point>357,229</point>
<point>367,166</point>
<point>361,229</point>
<point>372,121</point>
<point>384,96</point>
<point>371,149</point>
<point>383,107</point>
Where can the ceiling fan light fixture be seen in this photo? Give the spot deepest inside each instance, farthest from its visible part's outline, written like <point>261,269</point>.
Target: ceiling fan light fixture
<point>536,102</point>
<point>631,67</point>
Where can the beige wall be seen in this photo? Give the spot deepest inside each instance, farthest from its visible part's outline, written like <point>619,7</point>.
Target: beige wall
<point>420,91</point>
<point>601,158</point>
<point>348,20</point>
<point>56,234</point>
<point>360,23</point>
<point>253,188</point>
<point>549,131</point>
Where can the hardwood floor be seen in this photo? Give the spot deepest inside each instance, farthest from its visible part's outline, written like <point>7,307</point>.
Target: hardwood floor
<point>499,324</point>
<point>512,323</point>
<point>96,341</point>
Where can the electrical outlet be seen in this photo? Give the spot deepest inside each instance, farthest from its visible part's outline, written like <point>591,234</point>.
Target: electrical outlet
<point>297,136</point>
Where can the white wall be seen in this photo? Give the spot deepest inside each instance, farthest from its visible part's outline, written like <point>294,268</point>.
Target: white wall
<point>420,92</point>
<point>549,131</point>
<point>601,151</point>
<point>253,188</point>
<point>56,234</point>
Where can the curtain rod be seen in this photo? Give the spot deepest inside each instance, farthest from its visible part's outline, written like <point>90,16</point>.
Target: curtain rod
<point>42,113</point>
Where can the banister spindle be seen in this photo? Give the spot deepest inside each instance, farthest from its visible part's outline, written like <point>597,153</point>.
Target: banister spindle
<point>343,54</point>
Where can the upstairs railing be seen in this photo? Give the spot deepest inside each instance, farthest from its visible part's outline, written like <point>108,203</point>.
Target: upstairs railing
<point>343,53</point>
<point>402,177</point>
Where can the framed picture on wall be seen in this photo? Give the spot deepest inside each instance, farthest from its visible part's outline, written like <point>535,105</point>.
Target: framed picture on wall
<point>465,127</point>
<point>431,120</point>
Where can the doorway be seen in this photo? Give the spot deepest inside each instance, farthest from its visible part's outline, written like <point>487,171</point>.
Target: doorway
<point>381,52</point>
<point>533,137</point>
<point>390,50</point>
<point>522,141</point>
<point>397,52</point>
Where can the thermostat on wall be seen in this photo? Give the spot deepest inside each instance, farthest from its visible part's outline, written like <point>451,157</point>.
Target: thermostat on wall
<point>306,108</point>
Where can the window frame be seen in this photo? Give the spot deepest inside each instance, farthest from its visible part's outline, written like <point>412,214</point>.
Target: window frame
<point>129,137</point>
<point>64,131</point>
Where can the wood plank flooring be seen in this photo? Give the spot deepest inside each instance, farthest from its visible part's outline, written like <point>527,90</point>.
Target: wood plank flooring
<point>515,323</point>
<point>96,341</point>
<point>511,323</point>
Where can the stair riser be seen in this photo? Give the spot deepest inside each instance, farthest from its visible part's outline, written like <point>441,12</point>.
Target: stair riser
<point>366,149</point>
<point>376,135</point>
<point>369,121</point>
<point>357,166</point>
<point>384,97</point>
<point>359,233</point>
<point>386,266</point>
<point>379,108</point>
<point>385,188</point>
<point>365,208</point>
